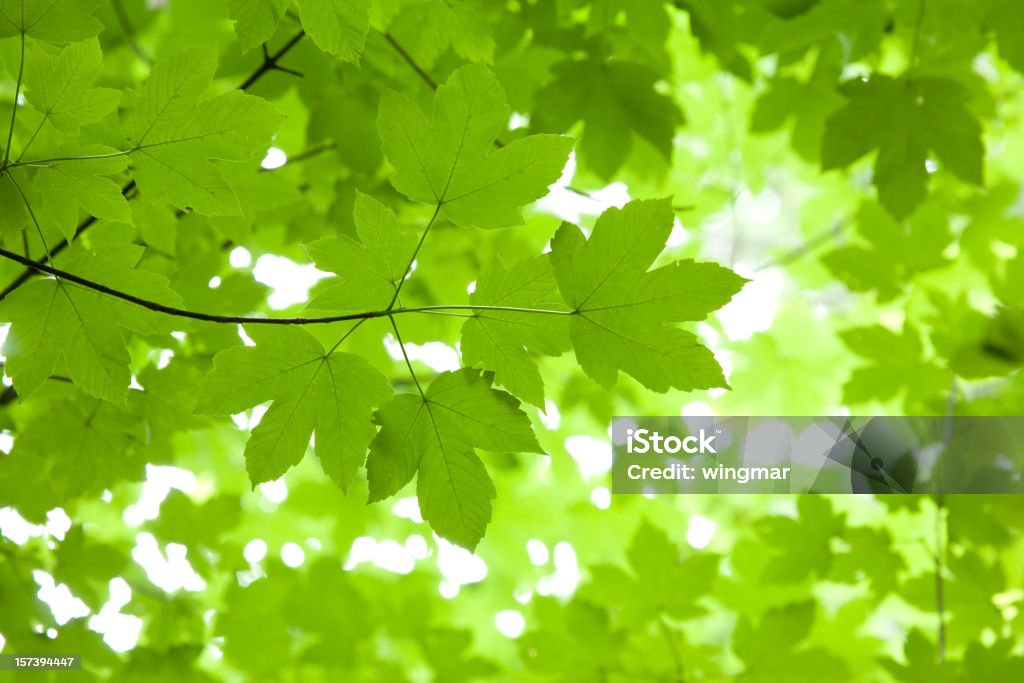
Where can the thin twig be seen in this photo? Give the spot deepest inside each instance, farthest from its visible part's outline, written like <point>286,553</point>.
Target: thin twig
<point>410,61</point>
<point>129,31</point>
<point>270,61</point>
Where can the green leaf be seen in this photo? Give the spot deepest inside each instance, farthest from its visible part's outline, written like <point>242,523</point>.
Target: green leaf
<point>369,270</point>
<point>256,20</point>
<point>338,27</point>
<point>83,185</point>
<point>429,27</point>
<point>449,161</point>
<point>55,20</point>
<point>177,137</point>
<point>895,253</point>
<point>897,366</point>
<point>60,86</point>
<point>788,626</point>
<point>54,320</point>
<point>435,436</point>
<point>74,449</point>
<point>500,341</point>
<point>906,121</point>
<point>1006,20</point>
<point>802,546</point>
<point>624,312</point>
<point>613,100</point>
<point>332,394</point>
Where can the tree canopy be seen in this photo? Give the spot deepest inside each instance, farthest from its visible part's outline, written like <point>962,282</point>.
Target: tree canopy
<point>315,315</point>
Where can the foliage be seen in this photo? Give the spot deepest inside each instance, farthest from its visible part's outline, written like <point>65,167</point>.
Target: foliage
<point>478,231</point>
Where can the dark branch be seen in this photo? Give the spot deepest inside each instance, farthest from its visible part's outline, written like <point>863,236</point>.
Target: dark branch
<point>270,61</point>
<point>243,319</point>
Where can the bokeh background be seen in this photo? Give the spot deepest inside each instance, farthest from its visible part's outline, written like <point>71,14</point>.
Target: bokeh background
<point>858,160</point>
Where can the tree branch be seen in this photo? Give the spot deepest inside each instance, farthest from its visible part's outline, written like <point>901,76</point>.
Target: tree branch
<point>270,60</point>
<point>243,319</point>
<point>30,271</point>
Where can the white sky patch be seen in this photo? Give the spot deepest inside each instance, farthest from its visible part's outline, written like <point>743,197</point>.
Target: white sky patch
<point>275,158</point>
<point>562,583</point>
<point>289,281</point>
<point>160,479</point>
<point>164,359</point>
<point>764,207</point>
<point>439,357</point>
<point>753,309</point>
<point>518,120</point>
<point>510,623</point>
<point>679,235</point>
<point>240,258</point>
<point>275,491</point>
<point>6,441</point>
<point>64,605</point>
<point>700,532</point>
<point>293,555</point>
<point>171,572</point>
<point>601,498</point>
<point>17,529</point>
<point>592,456</point>
<point>417,547</point>
<point>550,417</point>
<point>120,631</point>
<point>389,555</point>
<point>408,508</point>
<point>697,409</point>
<point>458,565</point>
<point>4,329</point>
<point>570,206</point>
<point>246,339</point>
<point>58,523</point>
<point>538,552</point>
<point>255,550</point>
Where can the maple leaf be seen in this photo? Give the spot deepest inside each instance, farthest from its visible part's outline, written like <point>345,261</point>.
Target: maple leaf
<point>330,393</point>
<point>905,121</point>
<point>54,320</point>
<point>623,311</point>
<point>449,161</point>
<point>176,136</point>
<point>434,436</point>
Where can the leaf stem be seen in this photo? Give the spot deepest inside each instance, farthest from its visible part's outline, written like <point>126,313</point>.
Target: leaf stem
<point>408,363</point>
<point>31,213</point>
<point>14,109</point>
<point>87,157</point>
<point>412,259</point>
